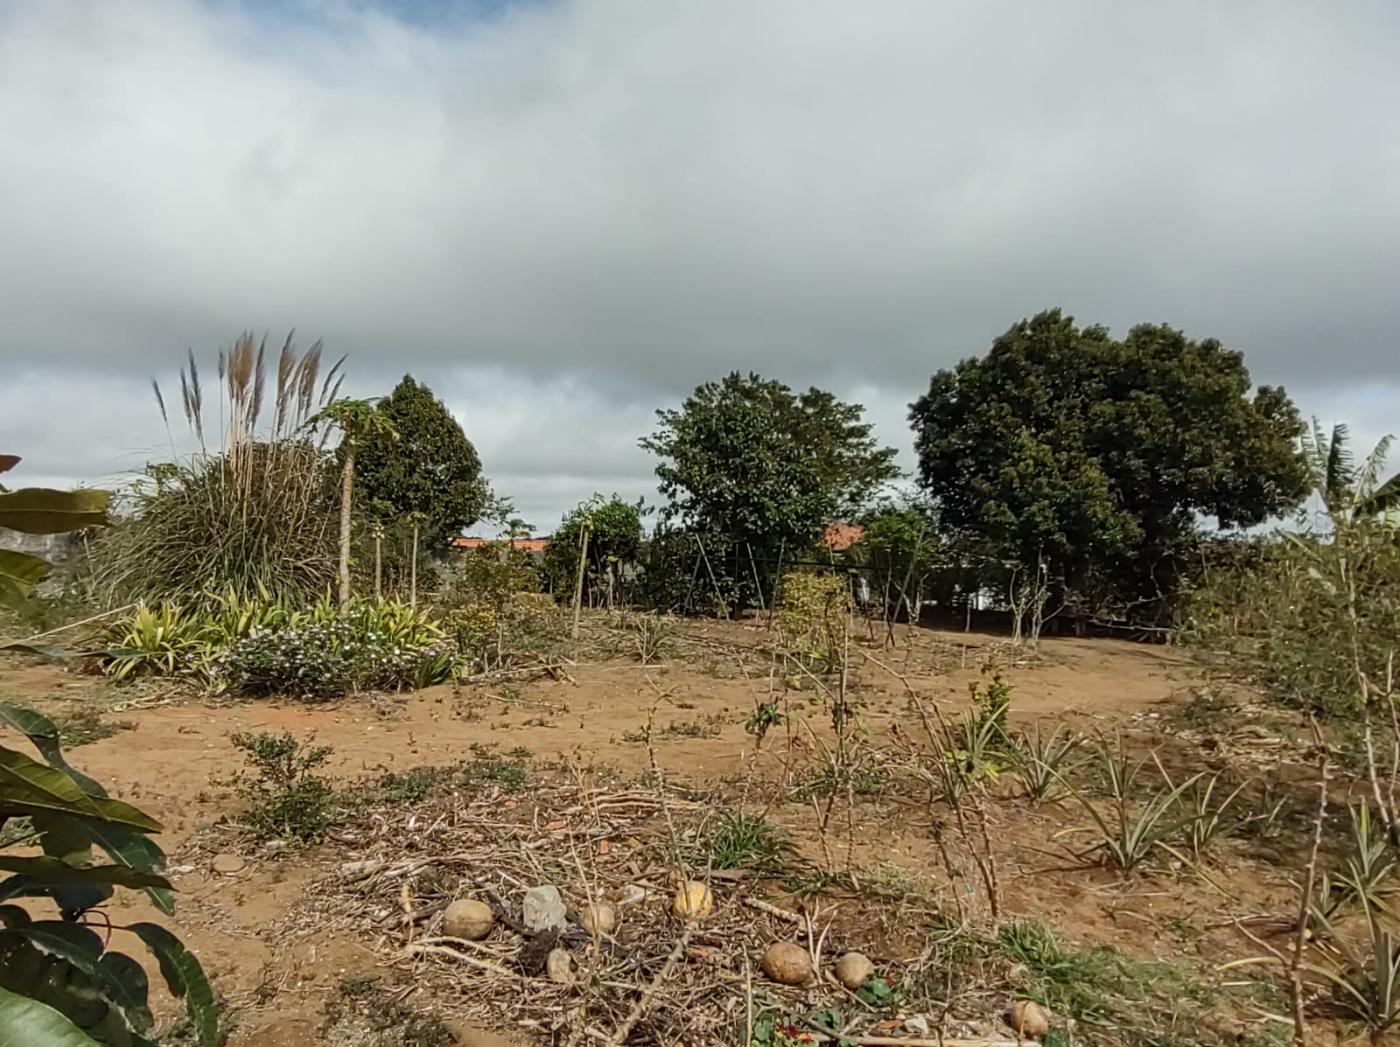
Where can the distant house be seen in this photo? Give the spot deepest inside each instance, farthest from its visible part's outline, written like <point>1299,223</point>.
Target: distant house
<point>841,536</point>
<point>533,546</point>
<point>838,537</point>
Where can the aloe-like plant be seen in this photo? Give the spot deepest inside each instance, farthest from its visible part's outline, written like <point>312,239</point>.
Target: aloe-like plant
<point>1205,816</point>
<point>60,982</point>
<point>969,751</point>
<point>1369,869</point>
<point>1366,982</point>
<point>1038,759</point>
<point>163,640</point>
<point>1130,833</point>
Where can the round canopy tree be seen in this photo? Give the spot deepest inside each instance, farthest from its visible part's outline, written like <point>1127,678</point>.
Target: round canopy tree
<point>747,459</point>
<point>1098,457</point>
<point>432,469</point>
<point>614,541</point>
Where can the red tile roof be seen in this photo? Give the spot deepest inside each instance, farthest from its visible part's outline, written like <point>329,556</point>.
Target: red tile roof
<point>529,545</point>
<point>841,536</point>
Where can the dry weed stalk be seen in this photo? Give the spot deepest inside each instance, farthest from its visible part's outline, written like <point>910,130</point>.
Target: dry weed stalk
<point>1300,937</point>
<point>965,797</point>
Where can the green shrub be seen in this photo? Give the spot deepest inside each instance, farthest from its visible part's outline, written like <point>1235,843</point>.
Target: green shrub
<point>328,653</point>
<point>1275,611</point>
<point>286,798</point>
<point>614,539</point>
<point>1312,616</point>
<point>813,616</point>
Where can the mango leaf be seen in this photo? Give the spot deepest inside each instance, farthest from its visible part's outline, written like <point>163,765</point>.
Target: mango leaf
<point>73,942</point>
<point>48,870</point>
<point>30,787</point>
<point>48,650</point>
<point>27,1023</point>
<point>58,975</point>
<point>39,510</point>
<point>43,734</point>
<point>184,977</point>
<point>19,573</point>
<point>72,898</point>
<point>130,989</point>
<point>134,851</point>
<point>32,725</point>
<point>63,838</point>
<point>117,977</point>
<point>13,916</point>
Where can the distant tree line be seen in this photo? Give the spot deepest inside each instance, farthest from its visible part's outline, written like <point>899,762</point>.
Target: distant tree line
<point>1063,470</point>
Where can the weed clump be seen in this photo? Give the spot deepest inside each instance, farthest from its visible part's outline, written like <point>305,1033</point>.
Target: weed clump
<point>286,798</point>
<point>1147,1001</point>
<point>738,840</point>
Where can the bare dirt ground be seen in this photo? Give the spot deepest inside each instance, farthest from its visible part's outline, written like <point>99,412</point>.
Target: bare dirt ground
<point>281,969</point>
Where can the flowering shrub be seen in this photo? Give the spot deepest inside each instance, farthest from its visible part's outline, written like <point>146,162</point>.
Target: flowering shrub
<point>371,646</point>
<point>264,646</point>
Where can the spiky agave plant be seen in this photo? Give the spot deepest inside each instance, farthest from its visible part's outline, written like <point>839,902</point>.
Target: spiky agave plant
<point>1039,758</point>
<point>1366,981</point>
<point>1130,832</point>
<point>250,511</point>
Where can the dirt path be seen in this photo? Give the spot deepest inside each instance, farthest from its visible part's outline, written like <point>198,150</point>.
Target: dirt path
<point>177,762</point>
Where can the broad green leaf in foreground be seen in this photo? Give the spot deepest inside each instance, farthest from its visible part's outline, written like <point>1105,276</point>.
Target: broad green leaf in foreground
<point>29,1023</point>
<point>19,573</point>
<point>49,870</point>
<point>30,787</point>
<point>39,510</point>
<point>43,734</point>
<point>184,976</point>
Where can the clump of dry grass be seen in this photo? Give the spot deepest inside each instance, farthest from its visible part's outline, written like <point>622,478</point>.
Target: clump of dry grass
<point>250,511</point>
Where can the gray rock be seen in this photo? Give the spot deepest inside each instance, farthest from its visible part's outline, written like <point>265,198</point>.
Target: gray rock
<point>544,909</point>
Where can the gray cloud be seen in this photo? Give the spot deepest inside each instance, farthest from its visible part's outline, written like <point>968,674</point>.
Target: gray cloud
<point>568,214</point>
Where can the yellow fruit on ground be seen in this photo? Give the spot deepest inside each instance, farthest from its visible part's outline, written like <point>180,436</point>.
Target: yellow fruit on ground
<point>468,918</point>
<point>693,901</point>
<point>787,963</point>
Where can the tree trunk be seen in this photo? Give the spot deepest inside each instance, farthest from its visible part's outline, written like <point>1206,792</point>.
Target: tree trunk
<point>378,565</point>
<point>347,481</point>
<point>413,570</point>
<point>578,586</point>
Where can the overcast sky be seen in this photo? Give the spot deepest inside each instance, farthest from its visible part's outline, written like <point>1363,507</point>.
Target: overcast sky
<point>565,215</point>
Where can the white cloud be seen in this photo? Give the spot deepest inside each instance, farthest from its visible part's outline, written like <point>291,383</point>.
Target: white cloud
<point>599,204</point>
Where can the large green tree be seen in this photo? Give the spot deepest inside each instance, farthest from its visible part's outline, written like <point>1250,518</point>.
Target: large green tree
<point>431,469</point>
<point>754,463</point>
<point>1100,457</point>
<point>614,541</point>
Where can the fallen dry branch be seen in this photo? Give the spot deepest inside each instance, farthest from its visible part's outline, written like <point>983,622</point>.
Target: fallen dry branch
<point>619,1037</point>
